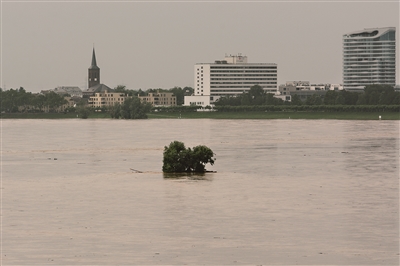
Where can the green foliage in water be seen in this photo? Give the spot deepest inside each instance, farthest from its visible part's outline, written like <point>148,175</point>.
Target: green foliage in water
<point>179,159</point>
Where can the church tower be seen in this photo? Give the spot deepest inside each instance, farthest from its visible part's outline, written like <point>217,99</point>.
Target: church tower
<point>94,72</point>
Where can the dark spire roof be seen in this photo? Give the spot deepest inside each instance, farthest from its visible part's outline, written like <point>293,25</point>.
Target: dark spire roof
<point>94,64</point>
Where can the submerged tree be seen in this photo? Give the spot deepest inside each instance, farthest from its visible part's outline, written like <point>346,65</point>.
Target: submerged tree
<point>179,159</point>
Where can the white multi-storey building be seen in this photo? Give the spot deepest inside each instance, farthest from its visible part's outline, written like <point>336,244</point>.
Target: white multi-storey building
<point>369,57</point>
<point>232,76</point>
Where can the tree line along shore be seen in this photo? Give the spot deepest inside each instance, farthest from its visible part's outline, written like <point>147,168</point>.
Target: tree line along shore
<point>377,101</point>
<point>223,115</point>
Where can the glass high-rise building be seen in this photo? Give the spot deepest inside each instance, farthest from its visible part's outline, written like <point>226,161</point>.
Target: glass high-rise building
<point>369,57</point>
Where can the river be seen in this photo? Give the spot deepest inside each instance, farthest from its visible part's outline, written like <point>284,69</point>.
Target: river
<point>285,192</point>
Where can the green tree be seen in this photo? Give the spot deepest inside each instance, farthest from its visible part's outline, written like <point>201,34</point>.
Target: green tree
<point>120,88</point>
<point>174,158</point>
<point>340,100</point>
<point>361,99</point>
<point>54,100</point>
<point>269,99</point>
<point>201,155</point>
<point>178,159</point>
<point>373,94</point>
<point>39,101</point>
<point>296,100</point>
<point>350,98</point>
<point>330,97</point>
<point>230,100</point>
<point>245,99</point>
<point>133,108</point>
<point>256,95</point>
<point>179,94</point>
<point>314,100</point>
<point>115,111</point>
<point>83,112</point>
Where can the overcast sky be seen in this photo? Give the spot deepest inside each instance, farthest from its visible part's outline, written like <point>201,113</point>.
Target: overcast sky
<point>142,44</point>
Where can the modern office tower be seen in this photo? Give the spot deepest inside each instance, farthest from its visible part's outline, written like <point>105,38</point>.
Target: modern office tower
<point>369,57</point>
<point>232,76</point>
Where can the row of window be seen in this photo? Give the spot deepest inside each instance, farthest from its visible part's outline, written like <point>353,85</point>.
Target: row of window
<point>369,53</point>
<point>371,47</point>
<point>370,60</point>
<point>238,87</point>
<point>369,70</point>
<point>243,67</point>
<point>235,83</point>
<point>233,91</point>
<point>367,82</point>
<point>243,79</point>
<point>243,71</point>
<point>106,99</point>
<point>365,41</point>
<point>376,76</point>
<point>243,75</point>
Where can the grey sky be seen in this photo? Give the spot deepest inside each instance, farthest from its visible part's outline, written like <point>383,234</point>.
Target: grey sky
<point>156,44</point>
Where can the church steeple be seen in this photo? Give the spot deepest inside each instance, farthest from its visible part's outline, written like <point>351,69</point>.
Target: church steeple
<point>94,64</point>
<point>94,72</point>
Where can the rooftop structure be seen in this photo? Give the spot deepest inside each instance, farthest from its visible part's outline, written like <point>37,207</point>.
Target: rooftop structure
<point>71,90</point>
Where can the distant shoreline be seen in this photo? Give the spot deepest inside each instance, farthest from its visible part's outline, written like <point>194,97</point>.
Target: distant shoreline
<point>223,115</point>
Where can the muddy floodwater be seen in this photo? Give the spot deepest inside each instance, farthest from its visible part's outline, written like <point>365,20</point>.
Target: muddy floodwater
<point>311,192</point>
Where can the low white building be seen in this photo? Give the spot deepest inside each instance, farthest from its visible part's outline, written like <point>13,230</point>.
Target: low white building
<point>335,87</point>
<point>293,86</point>
<point>202,100</point>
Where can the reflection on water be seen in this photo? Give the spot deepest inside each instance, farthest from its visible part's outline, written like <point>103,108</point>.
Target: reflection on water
<point>285,192</point>
<point>188,176</point>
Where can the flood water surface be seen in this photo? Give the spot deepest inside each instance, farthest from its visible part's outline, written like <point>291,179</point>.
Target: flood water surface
<point>284,192</point>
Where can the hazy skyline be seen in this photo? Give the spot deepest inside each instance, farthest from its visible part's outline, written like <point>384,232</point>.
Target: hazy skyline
<point>156,44</point>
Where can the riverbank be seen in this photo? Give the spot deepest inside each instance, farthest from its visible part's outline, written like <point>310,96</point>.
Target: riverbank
<point>279,115</point>
<point>224,115</point>
<point>49,115</point>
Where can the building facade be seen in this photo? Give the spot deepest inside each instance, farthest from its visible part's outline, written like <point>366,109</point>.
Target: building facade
<point>159,99</point>
<point>295,86</point>
<point>202,100</point>
<point>369,57</point>
<point>232,76</point>
<point>106,98</point>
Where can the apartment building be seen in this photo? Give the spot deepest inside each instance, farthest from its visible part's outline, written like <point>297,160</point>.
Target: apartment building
<point>159,98</point>
<point>106,98</point>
